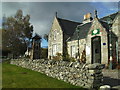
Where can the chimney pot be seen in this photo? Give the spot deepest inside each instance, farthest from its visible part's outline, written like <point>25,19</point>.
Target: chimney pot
<point>87,18</point>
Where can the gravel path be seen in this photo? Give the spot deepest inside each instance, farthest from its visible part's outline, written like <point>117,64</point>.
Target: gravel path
<point>111,77</point>
<point>111,73</point>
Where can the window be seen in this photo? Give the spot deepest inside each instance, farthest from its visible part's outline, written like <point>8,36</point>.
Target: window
<point>55,35</point>
<point>54,50</point>
<point>59,47</point>
<point>73,51</point>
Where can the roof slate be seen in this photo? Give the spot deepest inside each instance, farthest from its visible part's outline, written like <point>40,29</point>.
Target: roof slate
<point>68,26</point>
<point>105,25</point>
<point>112,16</point>
<point>82,31</point>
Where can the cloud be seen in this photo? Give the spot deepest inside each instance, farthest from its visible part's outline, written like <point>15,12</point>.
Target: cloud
<point>0,15</point>
<point>105,8</point>
<point>114,9</point>
<point>42,13</point>
<point>0,23</point>
<point>60,0</point>
<point>111,6</point>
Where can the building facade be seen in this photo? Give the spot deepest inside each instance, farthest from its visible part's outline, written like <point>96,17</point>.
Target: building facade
<point>60,31</point>
<point>98,37</point>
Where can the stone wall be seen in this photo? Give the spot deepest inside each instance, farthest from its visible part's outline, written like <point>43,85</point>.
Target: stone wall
<point>74,43</point>
<point>85,75</point>
<point>116,31</point>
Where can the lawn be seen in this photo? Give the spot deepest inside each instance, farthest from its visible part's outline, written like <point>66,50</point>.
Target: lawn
<point>18,77</point>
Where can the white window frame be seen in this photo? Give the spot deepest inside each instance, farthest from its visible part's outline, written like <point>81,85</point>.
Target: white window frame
<point>73,51</point>
<point>55,35</point>
<point>54,49</point>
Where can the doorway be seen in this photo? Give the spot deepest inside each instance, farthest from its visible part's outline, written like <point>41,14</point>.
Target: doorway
<point>96,49</point>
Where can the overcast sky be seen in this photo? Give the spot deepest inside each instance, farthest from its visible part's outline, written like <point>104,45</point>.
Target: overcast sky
<point>42,13</point>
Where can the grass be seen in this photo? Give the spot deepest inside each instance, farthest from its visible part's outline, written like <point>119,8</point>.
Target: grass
<point>17,77</point>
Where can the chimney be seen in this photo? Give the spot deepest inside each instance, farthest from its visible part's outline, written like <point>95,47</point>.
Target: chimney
<point>87,18</point>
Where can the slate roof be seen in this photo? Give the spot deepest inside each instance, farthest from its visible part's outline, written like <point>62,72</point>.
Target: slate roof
<point>105,19</point>
<point>112,16</point>
<point>84,28</point>
<point>68,26</point>
<point>105,25</point>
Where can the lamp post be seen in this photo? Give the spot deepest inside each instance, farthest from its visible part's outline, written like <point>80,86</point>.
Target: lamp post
<point>78,54</point>
<point>110,42</point>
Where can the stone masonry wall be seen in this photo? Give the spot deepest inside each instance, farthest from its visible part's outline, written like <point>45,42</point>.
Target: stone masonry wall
<point>85,75</point>
<point>55,38</point>
<point>74,43</point>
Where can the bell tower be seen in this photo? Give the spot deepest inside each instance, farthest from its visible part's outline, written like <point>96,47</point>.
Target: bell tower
<point>36,47</point>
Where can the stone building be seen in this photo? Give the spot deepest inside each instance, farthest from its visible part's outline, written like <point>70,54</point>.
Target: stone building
<point>60,31</point>
<point>98,37</point>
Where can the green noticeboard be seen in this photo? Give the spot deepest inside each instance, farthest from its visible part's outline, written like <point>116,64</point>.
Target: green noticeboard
<point>96,31</point>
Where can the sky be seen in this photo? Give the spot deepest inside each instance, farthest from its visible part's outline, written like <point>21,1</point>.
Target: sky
<point>43,13</point>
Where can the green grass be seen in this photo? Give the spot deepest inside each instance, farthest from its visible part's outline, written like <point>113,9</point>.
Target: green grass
<point>17,77</point>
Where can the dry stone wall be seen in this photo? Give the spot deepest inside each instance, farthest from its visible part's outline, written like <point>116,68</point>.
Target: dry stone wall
<point>85,75</point>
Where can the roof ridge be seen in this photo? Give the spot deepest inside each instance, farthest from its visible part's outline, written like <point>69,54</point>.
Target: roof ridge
<point>67,26</point>
<point>84,23</point>
<point>109,15</point>
<point>69,20</point>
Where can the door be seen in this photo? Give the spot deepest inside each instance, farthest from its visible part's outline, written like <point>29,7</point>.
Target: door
<point>96,49</point>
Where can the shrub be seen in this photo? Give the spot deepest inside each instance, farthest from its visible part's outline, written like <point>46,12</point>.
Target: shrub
<point>64,57</point>
<point>72,59</point>
<point>57,57</point>
<point>118,66</point>
<point>68,58</point>
<point>44,53</point>
<point>83,57</point>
